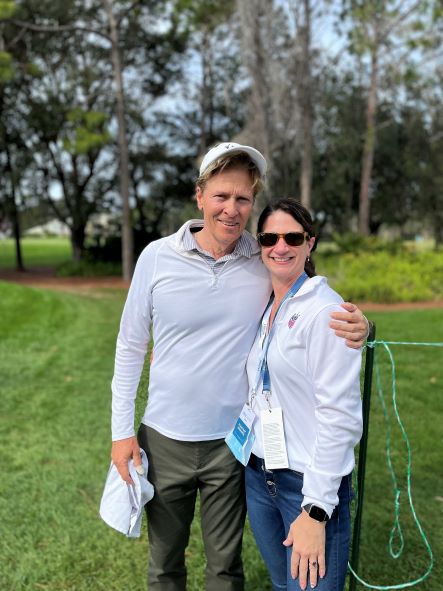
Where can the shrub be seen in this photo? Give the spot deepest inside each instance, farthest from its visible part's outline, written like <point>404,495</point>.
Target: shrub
<point>353,243</point>
<point>385,277</point>
<point>88,269</point>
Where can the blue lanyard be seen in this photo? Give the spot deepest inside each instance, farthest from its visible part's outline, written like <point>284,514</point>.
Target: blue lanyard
<point>262,370</point>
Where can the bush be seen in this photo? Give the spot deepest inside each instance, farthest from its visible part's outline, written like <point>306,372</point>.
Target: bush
<point>385,277</point>
<point>353,243</point>
<point>109,250</point>
<point>88,268</point>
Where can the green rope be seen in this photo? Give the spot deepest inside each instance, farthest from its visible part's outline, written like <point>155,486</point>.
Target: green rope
<point>396,528</point>
<point>396,533</point>
<point>373,343</point>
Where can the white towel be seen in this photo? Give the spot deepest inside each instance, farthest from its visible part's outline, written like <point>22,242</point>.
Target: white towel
<point>122,504</point>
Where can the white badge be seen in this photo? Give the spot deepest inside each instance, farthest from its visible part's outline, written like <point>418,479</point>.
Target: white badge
<point>247,415</point>
<point>273,439</point>
<point>241,438</point>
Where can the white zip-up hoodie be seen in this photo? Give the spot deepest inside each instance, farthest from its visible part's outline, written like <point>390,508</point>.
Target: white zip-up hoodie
<point>315,379</point>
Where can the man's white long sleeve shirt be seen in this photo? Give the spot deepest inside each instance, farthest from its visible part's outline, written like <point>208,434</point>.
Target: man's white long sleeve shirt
<point>203,326</point>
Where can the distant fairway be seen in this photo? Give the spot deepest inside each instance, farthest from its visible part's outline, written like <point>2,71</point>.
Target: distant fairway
<point>36,252</point>
<point>56,363</point>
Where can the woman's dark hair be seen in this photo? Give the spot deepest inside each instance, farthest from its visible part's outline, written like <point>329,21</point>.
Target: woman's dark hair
<point>300,214</point>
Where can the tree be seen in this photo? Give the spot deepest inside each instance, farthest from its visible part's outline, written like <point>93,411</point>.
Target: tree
<point>336,163</point>
<point>12,164</point>
<point>283,60</point>
<point>424,122</point>
<point>271,115</point>
<point>207,25</point>
<point>305,101</point>
<point>205,107</point>
<point>9,179</point>
<point>65,130</point>
<point>384,31</point>
<point>67,112</point>
<point>13,160</point>
<point>91,27</point>
<point>127,239</point>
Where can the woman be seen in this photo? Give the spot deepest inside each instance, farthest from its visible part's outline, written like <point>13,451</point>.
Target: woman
<point>305,391</point>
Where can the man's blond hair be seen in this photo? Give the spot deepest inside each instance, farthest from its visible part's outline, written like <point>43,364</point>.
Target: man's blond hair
<point>240,161</point>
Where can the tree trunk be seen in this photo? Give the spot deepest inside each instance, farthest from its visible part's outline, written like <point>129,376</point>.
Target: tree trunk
<point>16,228</point>
<point>438,236</point>
<point>438,225</point>
<point>305,98</point>
<point>127,236</point>
<point>205,96</point>
<point>259,130</point>
<point>13,213</point>
<point>368,149</point>
<point>78,243</point>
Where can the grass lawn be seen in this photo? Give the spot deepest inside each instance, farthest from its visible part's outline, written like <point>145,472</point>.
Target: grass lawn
<point>36,252</point>
<point>419,386</point>
<point>56,363</point>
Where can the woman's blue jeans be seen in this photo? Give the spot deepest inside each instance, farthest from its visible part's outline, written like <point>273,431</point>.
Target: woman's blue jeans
<point>273,500</point>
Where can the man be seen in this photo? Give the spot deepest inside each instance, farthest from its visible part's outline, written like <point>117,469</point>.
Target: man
<point>203,290</point>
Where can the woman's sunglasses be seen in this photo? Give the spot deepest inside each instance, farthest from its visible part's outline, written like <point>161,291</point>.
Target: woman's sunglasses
<point>291,238</point>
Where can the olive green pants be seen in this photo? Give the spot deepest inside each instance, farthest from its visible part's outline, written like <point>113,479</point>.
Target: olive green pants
<point>179,470</point>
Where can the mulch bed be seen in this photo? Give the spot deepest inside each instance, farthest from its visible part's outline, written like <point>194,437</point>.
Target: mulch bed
<point>44,277</point>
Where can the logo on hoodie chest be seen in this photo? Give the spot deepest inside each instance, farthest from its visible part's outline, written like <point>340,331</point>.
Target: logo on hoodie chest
<point>293,320</point>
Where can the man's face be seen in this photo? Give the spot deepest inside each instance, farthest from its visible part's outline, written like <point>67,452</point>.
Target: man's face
<point>226,203</point>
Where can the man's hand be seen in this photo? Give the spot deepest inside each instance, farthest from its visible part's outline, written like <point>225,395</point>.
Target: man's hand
<point>350,325</point>
<point>122,451</point>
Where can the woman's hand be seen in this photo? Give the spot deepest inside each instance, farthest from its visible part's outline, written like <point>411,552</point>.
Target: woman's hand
<point>307,538</point>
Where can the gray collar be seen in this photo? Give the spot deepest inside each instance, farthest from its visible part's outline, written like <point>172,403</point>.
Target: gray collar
<point>242,248</point>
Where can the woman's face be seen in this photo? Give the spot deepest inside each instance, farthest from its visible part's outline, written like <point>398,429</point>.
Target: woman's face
<point>285,263</point>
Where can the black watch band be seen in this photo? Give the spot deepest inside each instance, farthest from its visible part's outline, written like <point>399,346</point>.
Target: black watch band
<point>316,513</point>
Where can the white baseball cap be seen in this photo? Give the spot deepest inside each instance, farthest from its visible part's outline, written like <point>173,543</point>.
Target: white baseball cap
<point>229,148</point>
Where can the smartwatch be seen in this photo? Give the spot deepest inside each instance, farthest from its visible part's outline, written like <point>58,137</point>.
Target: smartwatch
<point>316,513</point>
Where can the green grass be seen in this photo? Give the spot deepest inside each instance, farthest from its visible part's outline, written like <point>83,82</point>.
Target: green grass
<point>56,363</point>
<point>419,385</point>
<point>36,252</point>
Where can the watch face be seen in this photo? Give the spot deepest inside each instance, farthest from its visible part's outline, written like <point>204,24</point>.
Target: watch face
<point>317,513</point>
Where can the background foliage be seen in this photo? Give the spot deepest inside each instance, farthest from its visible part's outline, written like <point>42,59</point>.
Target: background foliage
<point>360,269</point>
<point>343,98</point>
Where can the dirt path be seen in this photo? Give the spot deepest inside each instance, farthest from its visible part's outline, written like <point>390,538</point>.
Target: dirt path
<point>44,277</point>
